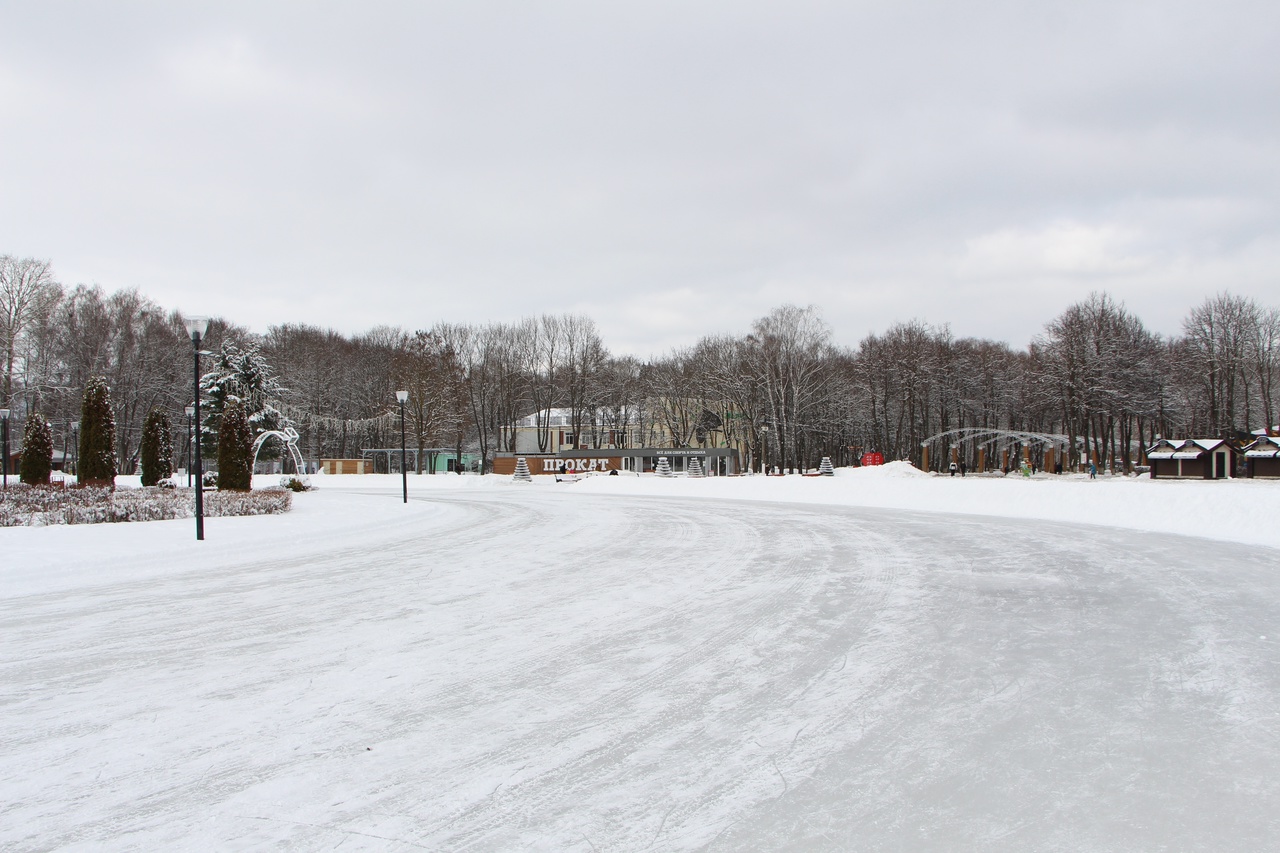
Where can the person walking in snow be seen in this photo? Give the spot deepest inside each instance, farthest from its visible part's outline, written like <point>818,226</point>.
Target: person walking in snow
<point>953,468</point>
<point>1093,470</point>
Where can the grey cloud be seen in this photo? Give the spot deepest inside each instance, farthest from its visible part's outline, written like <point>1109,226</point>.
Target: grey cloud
<point>668,167</point>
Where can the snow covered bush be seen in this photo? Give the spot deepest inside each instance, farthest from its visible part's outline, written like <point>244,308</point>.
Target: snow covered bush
<point>260,502</point>
<point>296,484</point>
<point>97,464</point>
<point>37,451</point>
<point>26,506</point>
<point>235,449</point>
<point>157,448</point>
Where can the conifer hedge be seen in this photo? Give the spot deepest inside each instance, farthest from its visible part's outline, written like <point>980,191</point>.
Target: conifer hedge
<point>157,448</point>
<point>235,449</point>
<point>97,464</point>
<point>37,451</point>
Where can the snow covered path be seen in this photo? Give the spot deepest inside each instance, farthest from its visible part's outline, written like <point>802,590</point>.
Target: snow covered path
<point>507,669</point>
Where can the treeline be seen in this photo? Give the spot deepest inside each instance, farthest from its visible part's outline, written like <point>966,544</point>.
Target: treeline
<point>783,391</point>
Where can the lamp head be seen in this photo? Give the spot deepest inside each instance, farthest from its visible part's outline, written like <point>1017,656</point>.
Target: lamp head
<point>402,396</point>
<point>4,414</point>
<point>190,410</point>
<point>196,326</point>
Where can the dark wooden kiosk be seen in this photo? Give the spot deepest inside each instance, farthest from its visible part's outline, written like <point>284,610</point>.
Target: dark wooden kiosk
<point>1192,459</point>
<point>1262,457</point>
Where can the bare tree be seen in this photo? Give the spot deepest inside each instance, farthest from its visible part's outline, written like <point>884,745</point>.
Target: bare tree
<point>789,353</point>
<point>1266,365</point>
<point>584,358</point>
<point>1217,336</point>
<point>27,290</point>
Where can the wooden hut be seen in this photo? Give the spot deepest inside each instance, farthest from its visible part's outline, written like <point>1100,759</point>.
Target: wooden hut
<point>1262,457</point>
<point>1192,459</point>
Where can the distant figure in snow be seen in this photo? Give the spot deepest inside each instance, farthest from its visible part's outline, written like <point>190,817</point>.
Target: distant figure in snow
<point>1093,470</point>
<point>953,468</point>
<point>559,472</point>
<point>963,468</point>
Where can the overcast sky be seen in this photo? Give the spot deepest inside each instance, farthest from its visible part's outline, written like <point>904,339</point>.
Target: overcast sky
<point>670,169</point>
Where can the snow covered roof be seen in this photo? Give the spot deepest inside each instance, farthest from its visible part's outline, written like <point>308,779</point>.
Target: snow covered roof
<point>1189,448</point>
<point>1263,447</point>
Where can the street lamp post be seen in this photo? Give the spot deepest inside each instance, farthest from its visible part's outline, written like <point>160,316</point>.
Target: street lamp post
<point>191,410</point>
<point>4,425</point>
<point>196,327</point>
<point>75,449</point>
<point>764,449</point>
<point>402,396</point>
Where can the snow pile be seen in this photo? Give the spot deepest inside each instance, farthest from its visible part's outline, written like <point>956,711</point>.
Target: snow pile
<point>892,470</point>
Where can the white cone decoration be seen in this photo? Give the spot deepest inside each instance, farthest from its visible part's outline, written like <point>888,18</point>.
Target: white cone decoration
<point>664,467</point>
<point>522,474</point>
<point>695,468</point>
<point>825,468</point>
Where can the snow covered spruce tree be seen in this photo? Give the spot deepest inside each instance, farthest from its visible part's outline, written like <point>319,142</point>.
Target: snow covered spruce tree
<point>243,376</point>
<point>97,436</point>
<point>235,449</point>
<point>37,451</point>
<point>157,448</point>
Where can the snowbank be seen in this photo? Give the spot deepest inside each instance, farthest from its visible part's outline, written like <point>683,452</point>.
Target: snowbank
<point>1229,510</point>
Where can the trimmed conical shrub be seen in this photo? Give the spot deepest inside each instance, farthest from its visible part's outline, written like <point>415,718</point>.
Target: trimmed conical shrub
<point>235,449</point>
<point>157,448</point>
<point>664,467</point>
<point>522,474</point>
<point>37,451</point>
<point>825,468</point>
<point>97,464</point>
<point>695,467</point>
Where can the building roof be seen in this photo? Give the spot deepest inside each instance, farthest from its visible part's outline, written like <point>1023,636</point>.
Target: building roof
<point>1263,447</point>
<point>1188,448</point>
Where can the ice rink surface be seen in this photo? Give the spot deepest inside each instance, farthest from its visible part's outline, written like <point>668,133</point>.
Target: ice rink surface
<point>548,669</point>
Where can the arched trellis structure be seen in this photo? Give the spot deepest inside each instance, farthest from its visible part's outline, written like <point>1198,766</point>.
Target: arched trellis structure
<point>289,436</point>
<point>1046,446</point>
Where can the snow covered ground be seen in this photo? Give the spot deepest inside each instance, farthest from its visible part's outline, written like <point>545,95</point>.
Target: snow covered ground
<point>879,661</point>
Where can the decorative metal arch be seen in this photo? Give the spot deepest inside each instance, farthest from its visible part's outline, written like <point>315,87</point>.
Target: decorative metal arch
<point>988,436</point>
<point>289,436</point>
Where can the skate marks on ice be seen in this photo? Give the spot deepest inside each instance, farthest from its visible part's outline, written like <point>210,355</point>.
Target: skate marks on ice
<point>1072,688</point>
<point>561,672</point>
